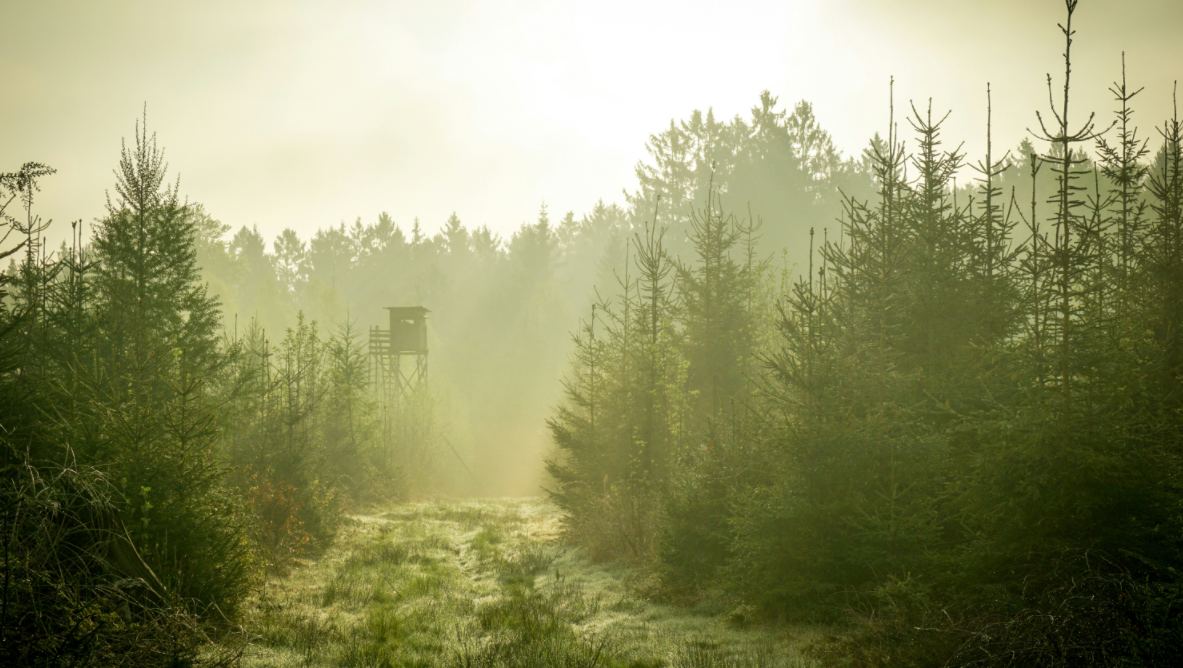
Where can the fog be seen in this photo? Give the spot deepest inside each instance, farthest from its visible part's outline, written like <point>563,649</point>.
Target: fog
<point>591,334</point>
<point>304,115</point>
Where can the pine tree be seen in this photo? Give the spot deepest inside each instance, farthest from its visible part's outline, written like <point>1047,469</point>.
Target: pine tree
<point>1122,165</point>
<point>352,460</point>
<point>1072,247</point>
<point>157,354</point>
<point>1164,257</point>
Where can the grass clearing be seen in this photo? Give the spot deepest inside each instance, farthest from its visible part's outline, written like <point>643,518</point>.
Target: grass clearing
<point>485,583</point>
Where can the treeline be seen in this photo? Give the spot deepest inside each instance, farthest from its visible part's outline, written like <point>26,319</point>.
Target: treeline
<point>499,314</point>
<point>958,430</point>
<point>502,308</point>
<point>156,464</point>
<point>185,410</point>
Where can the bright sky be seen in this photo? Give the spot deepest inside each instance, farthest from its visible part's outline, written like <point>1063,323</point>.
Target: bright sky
<point>305,114</point>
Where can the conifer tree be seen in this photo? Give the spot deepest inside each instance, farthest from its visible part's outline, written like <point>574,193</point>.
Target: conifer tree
<point>157,354</point>
<point>1122,165</point>
<point>1072,248</point>
<point>1164,258</point>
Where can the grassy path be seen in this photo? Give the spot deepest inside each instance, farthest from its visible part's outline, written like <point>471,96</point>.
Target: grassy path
<point>483,583</point>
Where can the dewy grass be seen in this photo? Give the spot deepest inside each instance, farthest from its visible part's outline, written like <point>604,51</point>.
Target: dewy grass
<point>483,583</point>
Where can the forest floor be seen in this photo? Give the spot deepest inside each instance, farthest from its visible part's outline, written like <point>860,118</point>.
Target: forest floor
<point>487,583</point>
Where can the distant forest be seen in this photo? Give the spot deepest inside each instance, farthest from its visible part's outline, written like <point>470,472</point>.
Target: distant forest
<point>934,398</point>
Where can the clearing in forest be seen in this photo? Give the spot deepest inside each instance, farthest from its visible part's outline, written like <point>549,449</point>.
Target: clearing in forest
<point>485,583</point>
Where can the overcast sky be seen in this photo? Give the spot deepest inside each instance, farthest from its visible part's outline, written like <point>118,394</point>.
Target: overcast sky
<point>280,113</point>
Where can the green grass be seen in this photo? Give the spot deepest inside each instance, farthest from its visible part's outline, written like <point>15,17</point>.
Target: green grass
<point>485,583</point>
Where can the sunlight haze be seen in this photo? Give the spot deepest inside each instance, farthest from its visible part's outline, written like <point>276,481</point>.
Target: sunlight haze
<point>303,114</point>
<point>530,333</point>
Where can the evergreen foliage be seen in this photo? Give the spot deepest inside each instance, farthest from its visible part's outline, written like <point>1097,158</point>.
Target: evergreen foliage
<point>962,435</point>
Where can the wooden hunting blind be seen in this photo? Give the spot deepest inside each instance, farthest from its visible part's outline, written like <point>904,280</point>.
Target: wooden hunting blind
<point>398,353</point>
<point>408,329</point>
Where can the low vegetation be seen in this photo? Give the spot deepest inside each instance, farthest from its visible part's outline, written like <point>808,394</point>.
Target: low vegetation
<point>486,583</point>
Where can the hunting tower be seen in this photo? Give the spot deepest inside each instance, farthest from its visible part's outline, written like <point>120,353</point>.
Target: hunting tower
<point>398,354</point>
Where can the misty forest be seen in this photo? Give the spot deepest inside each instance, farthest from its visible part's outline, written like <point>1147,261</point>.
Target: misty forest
<point>776,404</point>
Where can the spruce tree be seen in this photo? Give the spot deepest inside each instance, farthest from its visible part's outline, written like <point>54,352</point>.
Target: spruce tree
<point>1122,164</point>
<point>1163,308</point>
<point>157,355</point>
